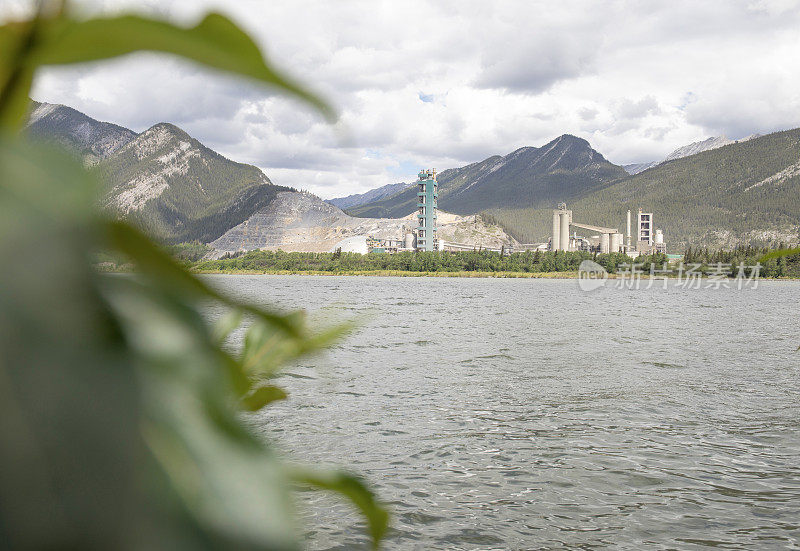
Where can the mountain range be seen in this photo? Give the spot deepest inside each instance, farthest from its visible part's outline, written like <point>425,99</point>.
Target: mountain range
<point>561,170</point>
<point>741,193</point>
<point>715,192</point>
<point>179,190</point>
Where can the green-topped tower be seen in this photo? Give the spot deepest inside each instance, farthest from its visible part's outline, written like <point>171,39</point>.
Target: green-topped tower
<point>426,211</point>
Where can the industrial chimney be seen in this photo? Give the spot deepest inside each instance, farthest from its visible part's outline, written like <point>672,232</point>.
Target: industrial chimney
<point>629,231</point>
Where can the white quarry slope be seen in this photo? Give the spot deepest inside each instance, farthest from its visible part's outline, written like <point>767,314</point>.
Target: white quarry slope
<point>302,222</point>
<point>686,151</point>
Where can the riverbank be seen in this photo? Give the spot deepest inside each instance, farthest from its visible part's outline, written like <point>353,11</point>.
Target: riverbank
<point>129,268</point>
<point>396,273</point>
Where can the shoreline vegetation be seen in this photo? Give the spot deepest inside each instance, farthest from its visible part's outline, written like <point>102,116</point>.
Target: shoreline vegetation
<point>477,264</point>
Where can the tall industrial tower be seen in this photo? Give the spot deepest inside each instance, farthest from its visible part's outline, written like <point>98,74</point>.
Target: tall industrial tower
<point>644,224</point>
<point>426,204</point>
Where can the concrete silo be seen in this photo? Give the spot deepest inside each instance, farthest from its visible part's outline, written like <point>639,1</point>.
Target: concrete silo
<point>564,238</point>
<point>615,242</point>
<point>604,242</point>
<point>555,238</point>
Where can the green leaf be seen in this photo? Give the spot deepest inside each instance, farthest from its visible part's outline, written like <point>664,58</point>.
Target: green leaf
<point>779,253</point>
<point>226,325</point>
<point>352,488</point>
<point>265,350</point>
<point>263,396</point>
<point>215,42</point>
<point>17,40</point>
<point>220,471</point>
<point>164,270</point>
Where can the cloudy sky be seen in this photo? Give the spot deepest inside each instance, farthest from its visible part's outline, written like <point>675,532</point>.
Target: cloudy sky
<point>443,84</point>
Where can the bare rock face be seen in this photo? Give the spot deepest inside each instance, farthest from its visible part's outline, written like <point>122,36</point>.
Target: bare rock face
<point>297,221</point>
<point>166,153</point>
<point>472,230</point>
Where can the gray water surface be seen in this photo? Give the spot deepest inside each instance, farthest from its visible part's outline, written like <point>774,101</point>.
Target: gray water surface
<point>527,414</point>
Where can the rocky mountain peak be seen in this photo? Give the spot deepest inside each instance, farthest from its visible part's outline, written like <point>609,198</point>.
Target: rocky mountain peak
<point>160,137</point>
<point>91,139</point>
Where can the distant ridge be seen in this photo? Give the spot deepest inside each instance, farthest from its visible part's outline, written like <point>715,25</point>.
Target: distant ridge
<point>359,199</point>
<point>685,151</point>
<point>564,168</point>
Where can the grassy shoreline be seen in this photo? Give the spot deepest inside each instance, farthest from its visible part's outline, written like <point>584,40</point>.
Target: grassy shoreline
<point>124,269</point>
<point>403,273</point>
<point>396,273</point>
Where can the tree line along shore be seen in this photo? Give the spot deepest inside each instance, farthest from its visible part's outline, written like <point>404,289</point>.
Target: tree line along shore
<point>478,263</point>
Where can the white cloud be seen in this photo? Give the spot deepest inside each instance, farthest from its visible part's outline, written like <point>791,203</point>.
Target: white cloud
<point>424,83</point>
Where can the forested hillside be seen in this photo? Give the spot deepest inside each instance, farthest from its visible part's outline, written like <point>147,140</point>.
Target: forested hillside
<point>742,193</point>
<point>178,189</point>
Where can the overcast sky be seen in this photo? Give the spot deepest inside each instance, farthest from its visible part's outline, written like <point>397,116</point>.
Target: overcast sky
<point>442,84</point>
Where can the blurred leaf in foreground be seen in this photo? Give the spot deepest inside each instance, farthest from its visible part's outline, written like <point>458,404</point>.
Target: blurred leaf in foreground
<point>120,408</point>
<point>214,42</point>
<point>779,254</point>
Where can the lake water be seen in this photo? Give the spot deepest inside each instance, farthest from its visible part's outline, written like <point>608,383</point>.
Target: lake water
<point>525,414</point>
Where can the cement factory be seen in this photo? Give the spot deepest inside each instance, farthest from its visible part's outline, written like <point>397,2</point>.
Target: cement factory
<point>606,240</point>
<point>601,240</point>
<point>424,236</point>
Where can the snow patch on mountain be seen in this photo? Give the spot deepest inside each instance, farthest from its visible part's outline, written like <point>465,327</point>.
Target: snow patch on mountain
<point>698,147</point>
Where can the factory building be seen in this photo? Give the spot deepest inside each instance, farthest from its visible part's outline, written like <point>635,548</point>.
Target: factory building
<point>427,197</point>
<point>605,240</point>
